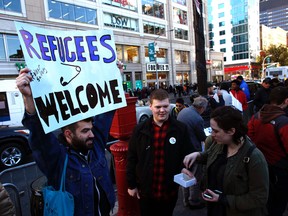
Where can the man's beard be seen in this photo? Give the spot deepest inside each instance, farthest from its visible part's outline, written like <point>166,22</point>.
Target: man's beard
<point>80,145</point>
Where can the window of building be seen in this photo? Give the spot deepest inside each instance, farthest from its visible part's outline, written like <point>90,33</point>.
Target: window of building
<point>181,2</point>
<point>179,16</point>
<point>217,65</point>
<point>223,41</point>
<point>129,5</point>
<point>222,32</point>
<point>181,34</point>
<point>221,23</point>
<point>154,28</point>
<point>161,55</point>
<point>221,6</point>
<point>220,15</point>
<point>10,6</point>
<point>153,8</point>
<point>128,54</point>
<point>223,50</point>
<point>225,59</point>
<point>10,48</point>
<point>70,12</point>
<point>181,57</point>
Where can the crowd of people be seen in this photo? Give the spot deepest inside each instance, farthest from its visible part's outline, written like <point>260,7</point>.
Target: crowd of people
<point>241,167</point>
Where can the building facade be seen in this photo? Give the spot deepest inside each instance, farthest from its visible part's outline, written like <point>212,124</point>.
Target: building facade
<point>135,23</point>
<point>234,30</point>
<point>273,13</point>
<point>272,36</point>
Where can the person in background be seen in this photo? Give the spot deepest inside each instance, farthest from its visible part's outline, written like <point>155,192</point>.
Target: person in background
<point>237,181</point>
<point>87,175</point>
<point>191,116</point>
<point>225,90</point>
<point>262,95</point>
<point>212,103</point>
<point>268,129</point>
<point>241,97</point>
<point>244,87</point>
<point>155,154</point>
<point>179,105</point>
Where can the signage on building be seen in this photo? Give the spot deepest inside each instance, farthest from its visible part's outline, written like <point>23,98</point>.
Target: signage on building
<point>160,67</point>
<point>122,22</point>
<point>151,51</point>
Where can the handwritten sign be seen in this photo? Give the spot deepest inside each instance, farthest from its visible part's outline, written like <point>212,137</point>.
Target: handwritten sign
<point>74,73</point>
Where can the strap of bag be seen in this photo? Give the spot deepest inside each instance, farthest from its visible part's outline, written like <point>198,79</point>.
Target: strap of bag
<point>246,159</point>
<point>273,122</point>
<point>62,186</point>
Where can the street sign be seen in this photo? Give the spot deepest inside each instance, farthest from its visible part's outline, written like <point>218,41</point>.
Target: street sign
<point>151,51</point>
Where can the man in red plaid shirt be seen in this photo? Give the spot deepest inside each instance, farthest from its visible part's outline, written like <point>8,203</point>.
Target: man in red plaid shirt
<point>156,151</point>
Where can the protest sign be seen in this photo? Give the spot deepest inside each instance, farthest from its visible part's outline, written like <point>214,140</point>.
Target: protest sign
<point>74,73</point>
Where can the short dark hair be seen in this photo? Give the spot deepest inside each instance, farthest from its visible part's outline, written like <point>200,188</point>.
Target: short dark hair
<point>158,94</point>
<point>240,77</point>
<point>225,86</point>
<point>278,95</point>
<point>72,127</point>
<point>235,81</point>
<point>228,117</point>
<point>180,100</point>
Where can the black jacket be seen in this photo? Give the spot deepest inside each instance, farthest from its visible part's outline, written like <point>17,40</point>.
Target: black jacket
<point>141,152</point>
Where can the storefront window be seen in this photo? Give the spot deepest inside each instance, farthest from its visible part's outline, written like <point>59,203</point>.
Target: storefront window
<point>126,4</point>
<point>2,49</point>
<point>181,57</point>
<point>179,16</point>
<point>10,5</point>
<point>130,53</point>
<point>120,22</point>
<point>154,28</point>
<point>161,55</point>
<point>153,8</point>
<point>70,12</point>
<point>182,78</point>
<point>181,34</point>
<point>181,2</point>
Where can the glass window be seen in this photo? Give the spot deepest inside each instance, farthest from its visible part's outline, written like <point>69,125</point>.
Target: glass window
<point>221,5</point>
<point>14,48</point>
<point>222,23</point>
<point>153,8</point>
<point>222,32</point>
<point>126,4</point>
<point>11,5</point>
<point>220,15</point>
<point>2,48</point>
<point>181,57</point>
<point>64,11</point>
<point>223,50</point>
<point>181,34</point>
<point>119,51</point>
<point>223,41</point>
<point>161,55</point>
<point>181,2</point>
<point>179,16</point>
<point>153,28</point>
<point>131,54</point>
<point>120,22</point>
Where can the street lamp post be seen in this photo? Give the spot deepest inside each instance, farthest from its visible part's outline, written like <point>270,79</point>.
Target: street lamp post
<point>263,64</point>
<point>155,56</point>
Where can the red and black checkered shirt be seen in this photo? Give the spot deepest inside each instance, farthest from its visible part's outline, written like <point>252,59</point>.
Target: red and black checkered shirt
<point>160,133</point>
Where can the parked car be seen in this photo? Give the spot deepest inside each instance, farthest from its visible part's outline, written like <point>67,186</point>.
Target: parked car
<point>13,146</point>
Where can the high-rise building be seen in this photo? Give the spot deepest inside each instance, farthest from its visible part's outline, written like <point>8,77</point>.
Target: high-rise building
<point>273,13</point>
<point>135,23</point>
<point>234,30</point>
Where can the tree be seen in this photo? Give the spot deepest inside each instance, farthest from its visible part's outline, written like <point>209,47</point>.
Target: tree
<point>279,54</point>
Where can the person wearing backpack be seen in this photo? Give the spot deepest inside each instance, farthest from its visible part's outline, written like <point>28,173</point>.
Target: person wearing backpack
<point>236,177</point>
<point>268,129</point>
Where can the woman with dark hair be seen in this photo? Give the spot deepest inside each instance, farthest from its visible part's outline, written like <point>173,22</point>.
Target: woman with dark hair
<point>236,178</point>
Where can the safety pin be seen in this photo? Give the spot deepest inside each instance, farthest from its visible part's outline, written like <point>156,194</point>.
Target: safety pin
<point>77,68</point>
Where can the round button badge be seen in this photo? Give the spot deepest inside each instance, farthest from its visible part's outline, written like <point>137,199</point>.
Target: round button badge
<point>172,140</point>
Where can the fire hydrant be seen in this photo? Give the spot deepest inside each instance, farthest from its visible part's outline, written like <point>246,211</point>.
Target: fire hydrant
<point>122,126</point>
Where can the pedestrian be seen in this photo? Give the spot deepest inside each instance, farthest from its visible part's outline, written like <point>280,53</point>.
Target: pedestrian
<point>225,90</point>
<point>244,87</point>
<point>268,128</point>
<point>262,95</point>
<point>236,179</point>
<point>87,174</point>
<point>191,116</point>
<point>212,103</point>
<point>179,105</point>
<point>237,92</point>
<point>6,205</point>
<point>155,154</point>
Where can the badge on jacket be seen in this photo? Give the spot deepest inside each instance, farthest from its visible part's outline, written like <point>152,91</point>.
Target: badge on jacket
<point>172,140</point>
